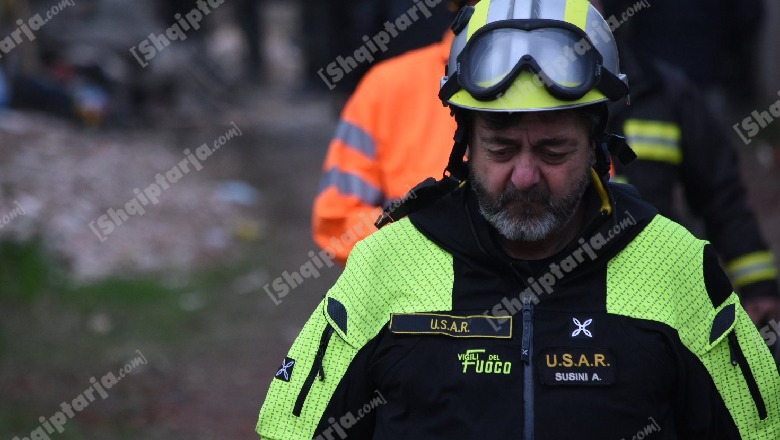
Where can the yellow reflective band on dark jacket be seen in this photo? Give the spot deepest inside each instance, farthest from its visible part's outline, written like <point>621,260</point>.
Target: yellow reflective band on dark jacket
<point>681,146</point>
<point>752,268</point>
<point>654,140</point>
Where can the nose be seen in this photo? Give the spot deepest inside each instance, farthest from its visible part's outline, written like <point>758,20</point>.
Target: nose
<point>525,172</point>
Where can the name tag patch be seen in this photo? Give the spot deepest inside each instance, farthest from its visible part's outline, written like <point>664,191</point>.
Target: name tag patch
<point>473,326</point>
<point>593,366</point>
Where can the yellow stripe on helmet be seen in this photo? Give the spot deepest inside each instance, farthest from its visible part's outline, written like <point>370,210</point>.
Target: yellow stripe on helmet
<point>577,13</point>
<point>527,93</point>
<point>479,18</point>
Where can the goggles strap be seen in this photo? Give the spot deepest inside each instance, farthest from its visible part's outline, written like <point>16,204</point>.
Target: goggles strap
<point>611,86</point>
<point>619,148</point>
<point>609,146</point>
<point>449,88</point>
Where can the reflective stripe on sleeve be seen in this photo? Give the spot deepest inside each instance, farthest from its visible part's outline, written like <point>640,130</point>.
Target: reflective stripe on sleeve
<point>356,138</point>
<point>751,268</point>
<point>654,140</point>
<point>350,184</point>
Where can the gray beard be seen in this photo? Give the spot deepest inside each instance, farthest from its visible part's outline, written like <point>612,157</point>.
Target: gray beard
<point>522,224</point>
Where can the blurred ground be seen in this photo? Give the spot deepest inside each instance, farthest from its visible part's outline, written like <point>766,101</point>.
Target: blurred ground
<point>183,283</point>
<point>223,337</point>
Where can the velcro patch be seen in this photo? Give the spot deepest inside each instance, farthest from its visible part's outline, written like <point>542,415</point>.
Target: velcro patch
<point>473,326</point>
<point>577,366</point>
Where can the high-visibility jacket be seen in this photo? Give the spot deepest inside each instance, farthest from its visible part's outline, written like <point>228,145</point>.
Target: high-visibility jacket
<point>393,134</point>
<point>433,332</point>
<point>680,144</point>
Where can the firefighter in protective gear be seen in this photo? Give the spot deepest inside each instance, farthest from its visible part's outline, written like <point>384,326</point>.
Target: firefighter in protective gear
<point>525,296</point>
<point>393,134</point>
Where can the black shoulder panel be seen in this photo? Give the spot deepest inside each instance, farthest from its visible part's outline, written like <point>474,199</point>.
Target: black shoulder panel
<point>717,283</point>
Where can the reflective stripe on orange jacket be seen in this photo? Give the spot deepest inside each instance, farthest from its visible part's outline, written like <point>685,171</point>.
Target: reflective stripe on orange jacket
<point>361,174</point>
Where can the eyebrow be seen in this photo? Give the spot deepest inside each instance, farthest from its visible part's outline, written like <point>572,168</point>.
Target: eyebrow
<point>554,142</point>
<point>499,140</point>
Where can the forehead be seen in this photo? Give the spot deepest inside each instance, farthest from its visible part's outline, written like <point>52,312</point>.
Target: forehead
<point>559,123</point>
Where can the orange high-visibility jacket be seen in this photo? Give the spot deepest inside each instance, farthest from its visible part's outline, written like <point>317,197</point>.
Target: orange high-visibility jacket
<point>392,135</point>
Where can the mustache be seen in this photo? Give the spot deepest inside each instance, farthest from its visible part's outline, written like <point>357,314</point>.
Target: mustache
<point>536,194</point>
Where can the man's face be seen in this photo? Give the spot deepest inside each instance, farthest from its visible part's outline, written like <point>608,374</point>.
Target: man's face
<point>530,175</point>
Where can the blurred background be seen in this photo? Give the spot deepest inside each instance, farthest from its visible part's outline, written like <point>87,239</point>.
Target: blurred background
<point>93,109</point>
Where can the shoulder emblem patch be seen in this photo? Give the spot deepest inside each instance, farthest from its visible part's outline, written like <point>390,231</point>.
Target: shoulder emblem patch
<point>285,371</point>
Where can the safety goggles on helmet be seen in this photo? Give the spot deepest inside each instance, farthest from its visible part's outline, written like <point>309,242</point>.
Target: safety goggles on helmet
<point>559,53</point>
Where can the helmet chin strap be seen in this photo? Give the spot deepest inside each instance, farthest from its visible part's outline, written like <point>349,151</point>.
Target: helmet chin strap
<point>431,190</point>
<point>612,145</point>
<point>609,145</point>
<point>456,167</point>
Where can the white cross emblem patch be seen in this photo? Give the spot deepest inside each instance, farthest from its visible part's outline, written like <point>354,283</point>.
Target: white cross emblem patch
<point>581,328</point>
<point>285,372</point>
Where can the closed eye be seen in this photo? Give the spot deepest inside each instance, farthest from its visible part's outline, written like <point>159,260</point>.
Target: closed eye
<point>555,156</point>
<point>499,154</point>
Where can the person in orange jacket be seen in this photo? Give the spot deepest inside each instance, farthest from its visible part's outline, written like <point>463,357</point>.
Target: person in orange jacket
<point>392,135</point>
<point>377,153</point>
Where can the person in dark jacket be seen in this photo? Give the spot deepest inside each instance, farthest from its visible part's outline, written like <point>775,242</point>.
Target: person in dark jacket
<point>524,295</point>
<point>681,145</point>
<point>712,41</point>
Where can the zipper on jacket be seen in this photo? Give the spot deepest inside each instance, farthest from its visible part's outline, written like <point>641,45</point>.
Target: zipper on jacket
<point>738,358</point>
<point>526,355</point>
<point>316,370</point>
